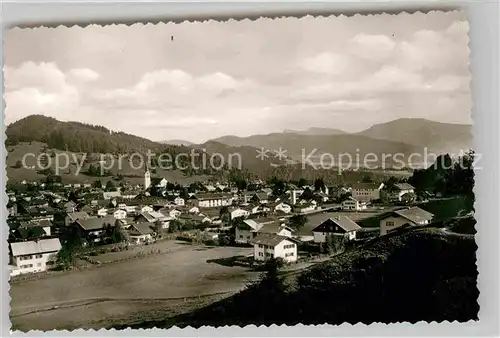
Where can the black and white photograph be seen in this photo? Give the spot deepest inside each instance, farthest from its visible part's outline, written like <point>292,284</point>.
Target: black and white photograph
<point>312,170</point>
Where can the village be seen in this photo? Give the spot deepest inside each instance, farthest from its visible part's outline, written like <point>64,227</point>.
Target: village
<point>52,224</point>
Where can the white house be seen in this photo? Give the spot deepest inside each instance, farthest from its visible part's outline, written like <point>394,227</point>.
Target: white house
<point>336,226</point>
<point>163,183</point>
<point>239,212</point>
<point>353,204</point>
<point>283,207</point>
<point>403,218</point>
<point>210,188</point>
<point>366,191</point>
<point>143,208</point>
<point>102,212</point>
<point>179,201</point>
<point>194,210</point>
<point>174,213</point>
<point>120,214</point>
<point>268,246</point>
<point>34,256</point>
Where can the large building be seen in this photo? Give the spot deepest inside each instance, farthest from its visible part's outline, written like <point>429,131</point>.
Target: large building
<point>366,191</point>
<point>213,200</point>
<point>33,256</point>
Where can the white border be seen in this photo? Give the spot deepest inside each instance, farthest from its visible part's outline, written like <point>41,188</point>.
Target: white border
<point>484,40</point>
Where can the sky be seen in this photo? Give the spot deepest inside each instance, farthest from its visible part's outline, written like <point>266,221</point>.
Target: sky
<point>201,80</point>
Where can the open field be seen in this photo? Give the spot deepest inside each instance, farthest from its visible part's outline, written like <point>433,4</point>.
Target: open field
<point>137,288</point>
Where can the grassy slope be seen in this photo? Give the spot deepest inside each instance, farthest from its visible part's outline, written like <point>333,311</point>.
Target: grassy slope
<point>420,275</point>
<point>16,153</point>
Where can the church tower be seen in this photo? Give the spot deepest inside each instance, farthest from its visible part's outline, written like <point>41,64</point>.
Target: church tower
<point>147,177</point>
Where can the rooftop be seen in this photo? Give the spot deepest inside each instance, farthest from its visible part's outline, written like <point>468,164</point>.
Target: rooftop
<point>343,222</point>
<point>269,239</point>
<point>414,214</point>
<point>35,247</point>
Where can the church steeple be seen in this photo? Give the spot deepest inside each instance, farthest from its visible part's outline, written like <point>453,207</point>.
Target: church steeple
<point>147,177</point>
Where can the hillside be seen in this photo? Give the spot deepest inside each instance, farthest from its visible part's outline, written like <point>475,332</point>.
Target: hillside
<point>77,137</point>
<point>130,170</point>
<point>296,144</point>
<point>424,275</point>
<point>37,134</point>
<point>437,136</point>
<point>402,135</point>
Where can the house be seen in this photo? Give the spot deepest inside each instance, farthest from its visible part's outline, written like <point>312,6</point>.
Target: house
<point>74,216</point>
<point>120,214</point>
<point>155,217</point>
<point>179,201</point>
<point>102,212</point>
<point>353,204</point>
<point>275,228</point>
<point>260,197</point>
<point>87,208</point>
<point>70,206</point>
<point>141,233</point>
<point>413,216</point>
<point>44,225</point>
<point>283,207</point>
<point>162,183</point>
<point>34,256</point>
<point>245,231</point>
<point>143,208</point>
<point>259,209</point>
<point>92,228</point>
<point>194,210</point>
<point>268,246</point>
<point>366,191</point>
<point>398,190</point>
<point>336,226</point>
<point>239,212</point>
<point>174,213</point>
<point>210,188</point>
<point>107,195</point>
<point>213,200</point>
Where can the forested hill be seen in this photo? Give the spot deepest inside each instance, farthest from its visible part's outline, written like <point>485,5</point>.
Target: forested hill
<point>78,137</point>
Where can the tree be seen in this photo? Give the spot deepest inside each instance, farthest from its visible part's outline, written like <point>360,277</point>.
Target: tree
<point>307,194</point>
<point>110,186</point>
<point>225,215</point>
<point>302,182</point>
<point>298,221</point>
<point>18,165</point>
<point>319,185</point>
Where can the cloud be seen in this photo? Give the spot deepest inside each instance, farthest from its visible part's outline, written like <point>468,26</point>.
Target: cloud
<point>248,77</point>
<point>326,63</point>
<point>84,74</point>
<point>38,89</point>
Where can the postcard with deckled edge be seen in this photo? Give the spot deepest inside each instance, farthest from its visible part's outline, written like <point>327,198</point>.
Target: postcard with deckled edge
<point>274,171</point>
